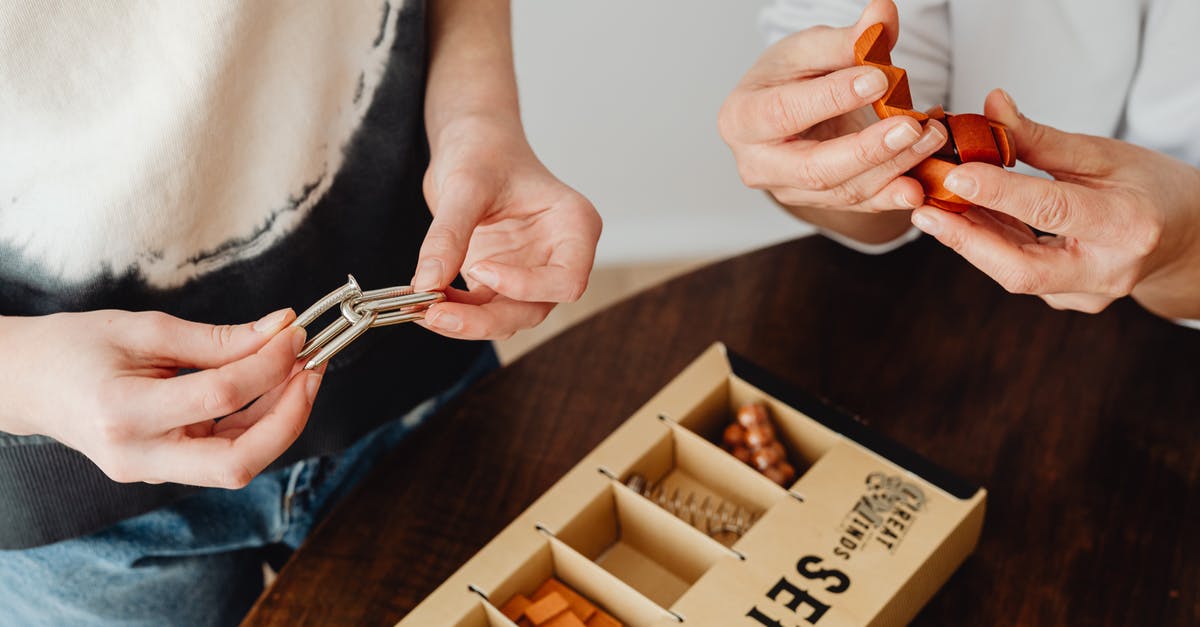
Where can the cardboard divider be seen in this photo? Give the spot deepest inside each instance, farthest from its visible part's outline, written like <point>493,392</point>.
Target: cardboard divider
<point>493,617</point>
<point>652,551</point>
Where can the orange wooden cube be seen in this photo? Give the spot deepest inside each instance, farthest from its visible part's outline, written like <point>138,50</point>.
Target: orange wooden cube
<point>566,619</point>
<point>515,608</point>
<point>580,607</point>
<point>541,611</point>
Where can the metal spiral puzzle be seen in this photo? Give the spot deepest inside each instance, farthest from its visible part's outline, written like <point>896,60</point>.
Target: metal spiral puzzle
<point>721,520</point>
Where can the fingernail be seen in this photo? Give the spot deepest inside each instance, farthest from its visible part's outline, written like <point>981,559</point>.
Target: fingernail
<point>923,221</point>
<point>870,84</point>
<point>900,137</point>
<point>428,276</point>
<point>485,276</point>
<point>298,337</point>
<point>311,386</point>
<point>271,322</point>
<point>930,141</point>
<point>446,322</point>
<point>902,200</point>
<point>1009,99</point>
<point>960,184</point>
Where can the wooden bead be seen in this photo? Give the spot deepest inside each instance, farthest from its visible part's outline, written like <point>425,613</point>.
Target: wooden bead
<point>789,472</point>
<point>776,475</point>
<point>759,436</point>
<point>752,414</point>
<point>734,436</point>
<point>768,456</point>
<point>742,453</point>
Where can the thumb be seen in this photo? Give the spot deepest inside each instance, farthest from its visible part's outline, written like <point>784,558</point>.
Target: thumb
<point>1045,147</point>
<point>880,12</point>
<point>822,50</point>
<point>461,202</point>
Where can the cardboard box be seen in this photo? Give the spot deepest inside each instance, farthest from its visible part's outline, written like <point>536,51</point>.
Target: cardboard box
<point>865,535</point>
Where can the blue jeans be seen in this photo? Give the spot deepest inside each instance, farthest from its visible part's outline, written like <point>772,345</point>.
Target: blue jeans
<point>198,561</point>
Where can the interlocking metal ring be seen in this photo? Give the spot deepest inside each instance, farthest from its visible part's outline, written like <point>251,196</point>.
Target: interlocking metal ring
<point>359,311</point>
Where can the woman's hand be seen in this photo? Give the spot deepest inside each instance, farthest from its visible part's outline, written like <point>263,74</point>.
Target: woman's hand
<point>105,383</point>
<point>522,239</point>
<point>800,127</point>
<point>1125,220</point>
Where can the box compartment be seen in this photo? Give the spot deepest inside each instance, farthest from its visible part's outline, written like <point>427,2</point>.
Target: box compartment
<point>553,558</point>
<point>689,476</point>
<point>652,551</point>
<point>804,439</point>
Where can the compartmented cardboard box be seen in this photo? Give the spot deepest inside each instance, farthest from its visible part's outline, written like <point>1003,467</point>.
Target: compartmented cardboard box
<point>660,526</point>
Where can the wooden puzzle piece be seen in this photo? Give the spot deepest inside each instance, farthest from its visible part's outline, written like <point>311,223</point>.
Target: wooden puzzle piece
<point>515,608</point>
<point>550,606</point>
<point>580,606</point>
<point>972,137</point>
<point>554,604</point>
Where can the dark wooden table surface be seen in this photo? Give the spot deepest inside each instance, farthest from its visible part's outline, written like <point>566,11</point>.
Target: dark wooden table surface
<point>1083,429</point>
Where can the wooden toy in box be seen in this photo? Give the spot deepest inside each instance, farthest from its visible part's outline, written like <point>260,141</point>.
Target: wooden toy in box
<point>660,526</point>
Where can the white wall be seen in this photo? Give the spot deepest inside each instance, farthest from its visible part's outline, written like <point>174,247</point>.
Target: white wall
<point>620,100</point>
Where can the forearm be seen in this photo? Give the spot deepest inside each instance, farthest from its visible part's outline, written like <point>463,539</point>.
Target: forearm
<point>868,228</point>
<point>1172,286</point>
<point>13,379</point>
<point>1174,296</point>
<point>1173,289</point>
<point>471,68</point>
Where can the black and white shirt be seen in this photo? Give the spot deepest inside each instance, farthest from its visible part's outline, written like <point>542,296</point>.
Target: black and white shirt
<point>214,160</point>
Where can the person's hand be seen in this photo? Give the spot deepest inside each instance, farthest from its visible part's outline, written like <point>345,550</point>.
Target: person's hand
<point>522,239</point>
<point>1124,220</point>
<point>800,126</point>
<point>105,383</point>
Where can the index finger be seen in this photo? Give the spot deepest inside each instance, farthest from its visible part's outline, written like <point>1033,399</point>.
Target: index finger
<point>782,111</point>
<point>158,405</point>
<point>822,49</point>
<point>494,320</point>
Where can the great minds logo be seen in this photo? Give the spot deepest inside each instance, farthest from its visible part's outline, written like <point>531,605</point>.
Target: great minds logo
<point>881,517</point>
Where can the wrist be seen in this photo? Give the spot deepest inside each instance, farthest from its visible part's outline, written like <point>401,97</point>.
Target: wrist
<point>1173,269</point>
<point>471,74</point>
<point>476,126</point>
<point>13,412</point>
<point>866,228</point>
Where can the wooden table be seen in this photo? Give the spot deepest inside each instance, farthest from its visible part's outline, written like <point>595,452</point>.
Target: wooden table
<point>1083,429</point>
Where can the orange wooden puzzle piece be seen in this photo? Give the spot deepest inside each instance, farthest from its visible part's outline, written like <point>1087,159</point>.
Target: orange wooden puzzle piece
<point>972,137</point>
<point>554,604</point>
<point>515,608</point>
<point>580,606</point>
